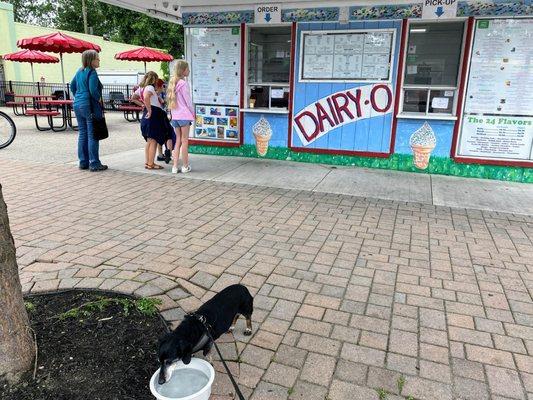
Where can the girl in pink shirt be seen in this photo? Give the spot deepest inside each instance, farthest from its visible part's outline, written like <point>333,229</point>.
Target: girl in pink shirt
<point>182,110</point>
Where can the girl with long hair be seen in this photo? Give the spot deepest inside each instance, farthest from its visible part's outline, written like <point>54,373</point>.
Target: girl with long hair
<point>154,119</point>
<point>180,105</point>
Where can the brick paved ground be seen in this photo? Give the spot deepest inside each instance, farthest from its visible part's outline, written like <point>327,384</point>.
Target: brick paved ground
<point>351,294</point>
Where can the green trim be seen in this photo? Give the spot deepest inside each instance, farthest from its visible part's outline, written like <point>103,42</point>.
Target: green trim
<point>399,162</point>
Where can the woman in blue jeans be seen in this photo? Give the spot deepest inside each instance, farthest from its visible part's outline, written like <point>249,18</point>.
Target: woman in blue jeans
<point>87,90</point>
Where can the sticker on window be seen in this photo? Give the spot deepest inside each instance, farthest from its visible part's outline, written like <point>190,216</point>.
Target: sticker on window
<point>440,102</point>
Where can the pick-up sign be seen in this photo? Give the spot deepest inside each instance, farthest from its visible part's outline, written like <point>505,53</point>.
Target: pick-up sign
<point>439,9</point>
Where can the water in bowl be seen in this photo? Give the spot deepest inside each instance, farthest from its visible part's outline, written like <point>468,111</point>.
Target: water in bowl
<point>183,382</point>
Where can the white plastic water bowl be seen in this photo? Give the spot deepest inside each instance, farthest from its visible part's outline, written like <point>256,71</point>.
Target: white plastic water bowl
<point>195,364</point>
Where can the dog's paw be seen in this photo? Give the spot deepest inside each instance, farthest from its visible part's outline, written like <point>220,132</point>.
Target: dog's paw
<point>248,332</point>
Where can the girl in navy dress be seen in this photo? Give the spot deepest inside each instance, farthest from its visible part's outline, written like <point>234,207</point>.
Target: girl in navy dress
<point>154,122</point>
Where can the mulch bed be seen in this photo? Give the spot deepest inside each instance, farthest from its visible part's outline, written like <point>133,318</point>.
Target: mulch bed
<point>104,355</point>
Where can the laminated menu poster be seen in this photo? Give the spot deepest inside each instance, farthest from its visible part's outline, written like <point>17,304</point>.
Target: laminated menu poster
<point>214,122</point>
<point>497,120</point>
<point>497,137</point>
<point>500,81</point>
<point>331,55</point>
<point>215,66</point>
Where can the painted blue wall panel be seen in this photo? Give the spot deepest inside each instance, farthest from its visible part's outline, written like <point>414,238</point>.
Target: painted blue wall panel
<point>278,123</point>
<point>324,90</point>
<point>443,132</point>
<point>372,134</point>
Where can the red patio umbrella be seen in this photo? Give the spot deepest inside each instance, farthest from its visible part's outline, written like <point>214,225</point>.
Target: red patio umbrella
<point>31,56</point>
<point>143,54</point>
<point>57,43</point>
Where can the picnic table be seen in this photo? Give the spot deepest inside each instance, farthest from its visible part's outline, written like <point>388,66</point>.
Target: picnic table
<point>20,103</point>
<point>53,109</point>
<point>131,111</point>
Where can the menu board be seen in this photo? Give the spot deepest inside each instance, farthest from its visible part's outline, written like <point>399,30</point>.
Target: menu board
<point>214,122</point>
<point>215,65</point>
<point>360,55</point>
<point>497,120</point>
<point>501,71</point>
<point>497,137</point>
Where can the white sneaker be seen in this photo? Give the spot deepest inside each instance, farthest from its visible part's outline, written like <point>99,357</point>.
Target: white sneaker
<point>175,170</point>
<point>186,169</point>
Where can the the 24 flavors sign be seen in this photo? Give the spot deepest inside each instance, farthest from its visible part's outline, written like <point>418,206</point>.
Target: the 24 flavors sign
<point>341,108</point>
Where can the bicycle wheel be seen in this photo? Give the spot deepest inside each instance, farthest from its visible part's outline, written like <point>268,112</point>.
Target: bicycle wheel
<point>8,130</point>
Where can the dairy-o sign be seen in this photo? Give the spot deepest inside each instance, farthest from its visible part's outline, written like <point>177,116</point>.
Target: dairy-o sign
<point>267,13</point>
<point>342,108</point>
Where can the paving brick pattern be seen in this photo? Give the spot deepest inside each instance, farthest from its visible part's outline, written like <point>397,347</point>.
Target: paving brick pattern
<point>351,294</point>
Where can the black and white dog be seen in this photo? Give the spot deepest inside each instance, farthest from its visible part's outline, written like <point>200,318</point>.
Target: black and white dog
<point>220,314</point>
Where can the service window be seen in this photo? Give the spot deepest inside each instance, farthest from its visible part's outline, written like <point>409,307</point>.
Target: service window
<point>432,61</point>
<point>269,60</point>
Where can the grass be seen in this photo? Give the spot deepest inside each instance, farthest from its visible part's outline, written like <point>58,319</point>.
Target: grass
<point>400,383</point>
<point>145,306</point>
<point>30,307</point>
<point>382,393</point>
<point>290,391</point>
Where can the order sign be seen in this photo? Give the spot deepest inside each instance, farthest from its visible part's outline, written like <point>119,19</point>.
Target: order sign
<point>497,137</point>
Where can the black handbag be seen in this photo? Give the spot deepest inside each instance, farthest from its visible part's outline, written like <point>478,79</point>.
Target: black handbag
<point>100,131</point>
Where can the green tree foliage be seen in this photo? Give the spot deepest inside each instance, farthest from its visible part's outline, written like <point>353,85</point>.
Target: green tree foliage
<point>38,12</point>
<point>111,22</point>
<point>121,25</point>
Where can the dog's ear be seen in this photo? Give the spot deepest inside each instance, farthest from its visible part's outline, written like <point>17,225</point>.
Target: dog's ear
<point>186,351</point>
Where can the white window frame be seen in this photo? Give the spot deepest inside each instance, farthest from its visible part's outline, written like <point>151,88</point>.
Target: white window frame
<point>429,88</point>
<point>248,84</point>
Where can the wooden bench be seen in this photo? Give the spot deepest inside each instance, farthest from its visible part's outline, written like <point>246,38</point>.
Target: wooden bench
<point>131,112</point>
<point>16,104</point>
<point>49,114</point>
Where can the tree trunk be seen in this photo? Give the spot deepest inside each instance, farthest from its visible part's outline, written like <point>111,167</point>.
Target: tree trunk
<point>16,341</point>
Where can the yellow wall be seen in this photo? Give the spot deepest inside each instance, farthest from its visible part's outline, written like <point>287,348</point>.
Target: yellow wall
<point>52,72</point>
<point>7,32</point>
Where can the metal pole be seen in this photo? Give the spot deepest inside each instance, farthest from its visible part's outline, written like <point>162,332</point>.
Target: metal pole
<point>63,76</point>
<point>145,67</point>
<point>32,77</point>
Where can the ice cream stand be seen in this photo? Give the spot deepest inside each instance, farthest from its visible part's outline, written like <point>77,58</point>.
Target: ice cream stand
<point>440,86</point>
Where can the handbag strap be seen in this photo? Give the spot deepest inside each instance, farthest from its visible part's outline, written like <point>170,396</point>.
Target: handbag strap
<point>89,91</point>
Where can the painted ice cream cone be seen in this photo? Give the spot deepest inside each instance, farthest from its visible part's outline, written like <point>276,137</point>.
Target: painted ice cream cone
<point>421,155</point>
<point>422,142</point>
<point>262,133</point>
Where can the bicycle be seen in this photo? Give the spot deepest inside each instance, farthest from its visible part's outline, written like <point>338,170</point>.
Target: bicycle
<point>8,130</point>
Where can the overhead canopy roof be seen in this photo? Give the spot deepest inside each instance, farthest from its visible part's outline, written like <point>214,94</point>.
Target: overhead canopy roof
<point>172,10</point>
